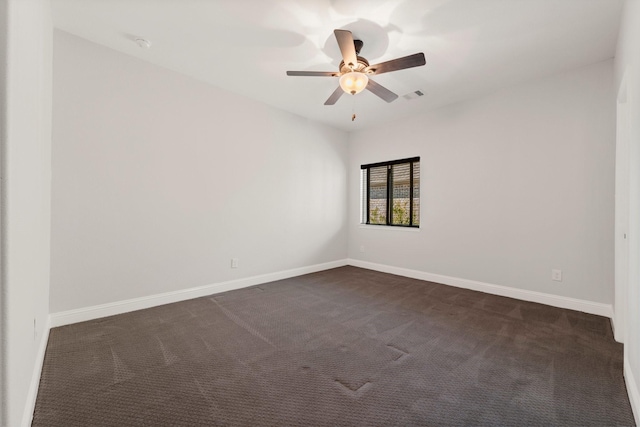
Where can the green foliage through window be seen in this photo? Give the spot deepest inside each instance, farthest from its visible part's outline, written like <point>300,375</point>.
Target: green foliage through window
<point>391,193</point>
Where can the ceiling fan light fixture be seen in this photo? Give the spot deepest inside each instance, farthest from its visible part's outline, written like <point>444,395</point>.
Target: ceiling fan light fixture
<point>354,82</point>
<point>355,70</point>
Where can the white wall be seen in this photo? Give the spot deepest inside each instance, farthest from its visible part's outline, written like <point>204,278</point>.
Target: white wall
<point>159,180</point>
<point>627,68</point>
<point>512,185</point>
<point>26,178</point>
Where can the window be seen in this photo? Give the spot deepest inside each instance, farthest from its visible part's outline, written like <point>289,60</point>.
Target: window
<point>391,193</point>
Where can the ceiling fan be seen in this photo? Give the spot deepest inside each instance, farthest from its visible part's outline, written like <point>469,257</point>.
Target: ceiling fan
<point>355,70</point>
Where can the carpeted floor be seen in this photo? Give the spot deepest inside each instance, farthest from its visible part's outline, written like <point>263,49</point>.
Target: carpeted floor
<point>346,346</point>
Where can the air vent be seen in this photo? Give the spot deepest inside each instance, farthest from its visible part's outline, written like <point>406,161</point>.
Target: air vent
<point>413,95</point>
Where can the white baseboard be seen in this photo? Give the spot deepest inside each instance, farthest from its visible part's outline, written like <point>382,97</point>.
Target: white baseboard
<point>618,333</point>
<point>521,294</point>
<point>632,390</point>
<point>119,307</point>
<point>30,404</point>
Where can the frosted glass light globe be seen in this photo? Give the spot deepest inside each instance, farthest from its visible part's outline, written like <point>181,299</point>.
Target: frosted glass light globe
<point>353,82</point>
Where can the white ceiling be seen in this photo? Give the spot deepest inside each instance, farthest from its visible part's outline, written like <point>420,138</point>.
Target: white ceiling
<point>472,47</point>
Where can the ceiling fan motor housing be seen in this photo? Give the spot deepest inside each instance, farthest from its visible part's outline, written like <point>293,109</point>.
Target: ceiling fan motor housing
<point>362,62</point>
<point>359,67</point>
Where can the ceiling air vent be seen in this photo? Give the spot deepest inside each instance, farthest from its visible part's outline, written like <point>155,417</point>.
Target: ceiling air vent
<point>413,95</point>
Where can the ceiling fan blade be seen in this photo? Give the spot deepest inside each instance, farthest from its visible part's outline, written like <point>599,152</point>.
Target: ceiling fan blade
<point>313,73</point>
<point>334,96</point>
<point>381,91</point>
<point>347,47</point>
<point>415,60</point>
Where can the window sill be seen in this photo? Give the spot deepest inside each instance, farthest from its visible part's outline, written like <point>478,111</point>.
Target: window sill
<point>390,228</point>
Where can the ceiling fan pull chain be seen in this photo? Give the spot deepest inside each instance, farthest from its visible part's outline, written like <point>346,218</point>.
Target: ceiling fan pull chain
<point>353,109</point>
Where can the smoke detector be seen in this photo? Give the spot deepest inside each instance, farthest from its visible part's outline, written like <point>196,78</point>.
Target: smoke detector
<point>143,43</point>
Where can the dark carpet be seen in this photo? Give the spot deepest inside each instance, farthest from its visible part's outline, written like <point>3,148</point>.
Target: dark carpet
<point>346,346</point>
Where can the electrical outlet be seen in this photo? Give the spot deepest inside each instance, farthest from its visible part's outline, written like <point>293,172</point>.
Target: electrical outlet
<point>234,262</point>
<point>556,275</point>
<point>361,248</point>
